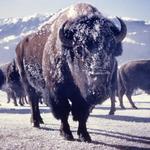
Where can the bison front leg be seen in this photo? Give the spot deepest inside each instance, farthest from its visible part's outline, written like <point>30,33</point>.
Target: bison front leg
<point>61,108</point>
<point>36,118</point>
<point>65,129</point>
<point>82,131</point>
<point>113,89</point>
<point>128,94</point>
<point>80,112</point>
<point>112,98</point>
<point>33,98</point>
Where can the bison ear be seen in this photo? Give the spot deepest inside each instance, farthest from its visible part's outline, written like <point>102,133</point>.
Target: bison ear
<point>66,34</point>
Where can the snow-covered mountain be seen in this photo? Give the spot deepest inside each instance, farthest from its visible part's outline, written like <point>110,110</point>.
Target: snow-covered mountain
<point>136,45</point>
<point>14,29</point>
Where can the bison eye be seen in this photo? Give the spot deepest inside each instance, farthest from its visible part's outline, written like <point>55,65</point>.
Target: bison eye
<point>80,51</point>
<point>91,44</point>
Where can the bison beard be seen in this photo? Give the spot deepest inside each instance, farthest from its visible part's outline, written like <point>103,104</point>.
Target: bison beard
<point>78,65</point>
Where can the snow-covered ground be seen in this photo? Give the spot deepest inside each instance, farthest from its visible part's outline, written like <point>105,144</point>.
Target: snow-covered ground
<point>127,129</point>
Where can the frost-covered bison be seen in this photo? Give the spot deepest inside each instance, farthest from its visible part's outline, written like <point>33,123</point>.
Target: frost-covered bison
<point>10,82</point>
<point>72,64</point>
<point>131,76</point>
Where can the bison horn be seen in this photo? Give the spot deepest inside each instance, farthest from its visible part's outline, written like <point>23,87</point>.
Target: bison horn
<point>65,35</point>
<point>123,31</point>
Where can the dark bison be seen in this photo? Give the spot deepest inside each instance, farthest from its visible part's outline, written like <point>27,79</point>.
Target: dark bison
<point>72,63</point>
<point>131,76</point>
<point>21,96</point>
<point>10,82</point>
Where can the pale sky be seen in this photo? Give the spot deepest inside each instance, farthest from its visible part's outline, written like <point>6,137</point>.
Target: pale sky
<point>138,9</point>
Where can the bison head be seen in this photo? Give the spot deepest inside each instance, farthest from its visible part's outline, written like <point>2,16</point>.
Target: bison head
<point>90,45</point>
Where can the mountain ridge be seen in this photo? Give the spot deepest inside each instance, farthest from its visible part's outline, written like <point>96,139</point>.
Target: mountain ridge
<point>136,45</point>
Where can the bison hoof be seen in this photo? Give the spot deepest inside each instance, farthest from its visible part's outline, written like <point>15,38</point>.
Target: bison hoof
<point>134,107</point>
<point>21,104</point>
<point>15,104</point>
<point>37,122</point>
<point>85,137</point>
<point>67,136</point>
<point>122,107</point>
<point>111,112</point>
<point>35,125</point>
<point>41,121</point>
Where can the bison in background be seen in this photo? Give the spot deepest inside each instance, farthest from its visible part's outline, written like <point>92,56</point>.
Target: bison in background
<point>10,82</point>
<point>21,96</point>
<point>132,76</point>
<point>72,63</point>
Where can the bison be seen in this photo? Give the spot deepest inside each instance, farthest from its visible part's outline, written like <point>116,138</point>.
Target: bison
<point>131,76</point>
<point>11,94</point>
<point>72,63</point>
<point>10,81</point>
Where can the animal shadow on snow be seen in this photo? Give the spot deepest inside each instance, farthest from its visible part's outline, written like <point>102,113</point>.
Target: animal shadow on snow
<point>22,111</point>
<point>143,102</point>
<point>126,108</point>
<point>123,118</point>
<point>122,136</point>
<point>116,135</point>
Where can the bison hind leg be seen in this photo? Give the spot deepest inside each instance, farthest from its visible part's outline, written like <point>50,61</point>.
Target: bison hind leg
<point>121,92</point>
<point>128,94</point>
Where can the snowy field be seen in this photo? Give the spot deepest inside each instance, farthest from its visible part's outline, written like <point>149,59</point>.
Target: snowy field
<point>128,129</point>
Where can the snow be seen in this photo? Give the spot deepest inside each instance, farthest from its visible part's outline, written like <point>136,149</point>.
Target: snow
<point>131,41</point>
<point>10,20</point>
<point>36,15</point>
<point>147,22</point>
<point>130,19</point>
<point>7,47</point>
<point>72,13</point>
<point>127,129</point>
<point>8,39</point>
<point>26,19</point>
<point>26,33</point>
<point>132,33</point>
<point>145,31</point>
